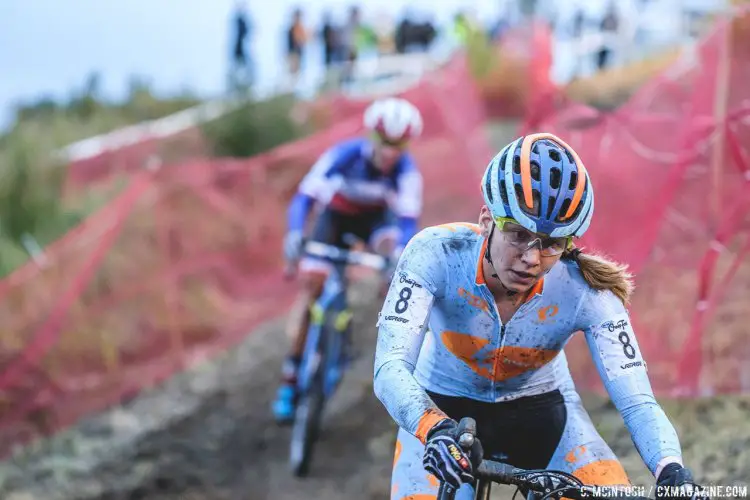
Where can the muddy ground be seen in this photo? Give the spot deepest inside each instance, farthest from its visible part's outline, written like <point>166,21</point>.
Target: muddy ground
<point>208,435</point>
<point>229,448</point>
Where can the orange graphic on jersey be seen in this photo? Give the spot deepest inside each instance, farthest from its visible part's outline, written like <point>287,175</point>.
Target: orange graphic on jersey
<point>603,473</point>
<point>474,300</point>
<point>434,482</point>
<point>548,312</point>
<point>495,364</point>
<point>575,454</point>
<point>397,454</point>
<point>453,226</point>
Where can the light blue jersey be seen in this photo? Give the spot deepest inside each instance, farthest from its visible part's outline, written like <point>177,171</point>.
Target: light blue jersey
<point>440,331</point>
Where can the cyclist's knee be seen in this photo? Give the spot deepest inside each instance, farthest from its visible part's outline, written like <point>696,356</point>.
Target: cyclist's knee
<point>313,282</point>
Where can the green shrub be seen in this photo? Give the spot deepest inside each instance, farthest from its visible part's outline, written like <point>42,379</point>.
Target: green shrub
<point>254,127</point>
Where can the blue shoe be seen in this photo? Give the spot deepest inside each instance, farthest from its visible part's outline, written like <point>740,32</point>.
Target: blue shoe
<point>284,406</point>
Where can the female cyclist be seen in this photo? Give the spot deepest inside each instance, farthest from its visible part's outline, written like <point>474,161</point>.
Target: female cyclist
<point>475,322</point>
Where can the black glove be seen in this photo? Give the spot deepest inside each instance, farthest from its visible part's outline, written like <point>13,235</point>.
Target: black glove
<point>445,459</point>
<point>676,481</point>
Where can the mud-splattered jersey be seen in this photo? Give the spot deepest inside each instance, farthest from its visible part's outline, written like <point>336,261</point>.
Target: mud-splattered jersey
<point>439,330</point>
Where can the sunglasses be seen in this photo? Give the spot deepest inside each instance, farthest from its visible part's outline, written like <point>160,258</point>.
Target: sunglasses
<point>524,239</point>
<point>400,145</point>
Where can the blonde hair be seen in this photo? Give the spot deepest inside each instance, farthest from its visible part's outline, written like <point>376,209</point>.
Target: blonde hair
<point>602,273</point>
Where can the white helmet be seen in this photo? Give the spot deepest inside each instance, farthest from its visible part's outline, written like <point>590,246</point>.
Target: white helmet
<point>393,119</point>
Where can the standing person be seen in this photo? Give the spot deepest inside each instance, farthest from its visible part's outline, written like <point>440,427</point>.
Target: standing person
<point>296,40</point>
<point>241,73</point>
<point>329,37</point>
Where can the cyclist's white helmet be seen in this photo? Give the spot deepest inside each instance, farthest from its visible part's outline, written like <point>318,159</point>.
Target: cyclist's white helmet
<point>393,119</point>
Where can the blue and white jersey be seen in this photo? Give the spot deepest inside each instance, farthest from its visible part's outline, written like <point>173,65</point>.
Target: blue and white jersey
<point>345,180</point>
<point>440,331</point>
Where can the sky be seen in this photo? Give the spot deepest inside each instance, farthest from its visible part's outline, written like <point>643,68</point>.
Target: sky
<point>48,47</point>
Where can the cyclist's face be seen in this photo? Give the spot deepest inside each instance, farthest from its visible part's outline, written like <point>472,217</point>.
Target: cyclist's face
<point>518,265</point>
<point>386,156</point>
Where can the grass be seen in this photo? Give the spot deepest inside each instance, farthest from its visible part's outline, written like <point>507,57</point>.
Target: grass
<point>33,209</point>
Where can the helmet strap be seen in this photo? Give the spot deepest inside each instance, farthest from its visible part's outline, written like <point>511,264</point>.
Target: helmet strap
<point>489,261</point>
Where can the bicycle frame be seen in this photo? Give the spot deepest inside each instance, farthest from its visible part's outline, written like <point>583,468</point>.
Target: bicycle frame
<point>333,299</point>
<point>325,343</point>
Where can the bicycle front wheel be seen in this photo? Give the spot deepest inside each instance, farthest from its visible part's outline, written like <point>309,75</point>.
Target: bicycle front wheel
<point>308,415</point>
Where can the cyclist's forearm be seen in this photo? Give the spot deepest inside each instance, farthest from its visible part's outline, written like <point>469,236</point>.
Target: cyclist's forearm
<point>653,434</point>
<point>405,400</point>
<point>298,210</point>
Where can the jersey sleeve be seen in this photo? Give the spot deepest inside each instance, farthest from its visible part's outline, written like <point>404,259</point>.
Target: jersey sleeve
<point>402,324</point>
<point>622,368</point>
<point>326,175</point>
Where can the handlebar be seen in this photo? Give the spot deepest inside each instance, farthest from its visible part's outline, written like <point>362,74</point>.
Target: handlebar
<point>565,484</point>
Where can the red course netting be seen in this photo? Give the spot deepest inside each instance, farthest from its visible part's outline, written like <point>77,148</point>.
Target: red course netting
<point>673,201</point>
<point>187,260</point>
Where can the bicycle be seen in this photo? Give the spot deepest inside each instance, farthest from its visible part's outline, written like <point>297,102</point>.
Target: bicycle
<point>540,484</point>
<point>325,357</point>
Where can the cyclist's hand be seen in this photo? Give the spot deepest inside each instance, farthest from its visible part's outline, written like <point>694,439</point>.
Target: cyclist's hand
<point>676,481</point>
<point>293,246</point>
<point>446,460</point>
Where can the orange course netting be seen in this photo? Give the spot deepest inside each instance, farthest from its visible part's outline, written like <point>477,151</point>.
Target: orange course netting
<point>187,260</point>
<point>673,201</point>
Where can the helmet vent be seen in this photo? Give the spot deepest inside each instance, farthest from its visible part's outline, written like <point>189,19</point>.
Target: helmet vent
<point>536,171</point>
<point>503,193</point>
<point>537,197</point>
<point>488,189</point>
<point>516,165</point>
<point>550,206</point>
<point>563,210</point>
<point>554,155</point>
<point>555,178</point>
<point>503,159</point>
<point>573,180</point>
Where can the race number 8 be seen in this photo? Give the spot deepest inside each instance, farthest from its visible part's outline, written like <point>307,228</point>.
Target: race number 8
<point>403,302</point>
<point>627,347</point>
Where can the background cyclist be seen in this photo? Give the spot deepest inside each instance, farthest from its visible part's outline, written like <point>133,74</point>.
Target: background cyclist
<point>476,324</point>
<point>369,187</point>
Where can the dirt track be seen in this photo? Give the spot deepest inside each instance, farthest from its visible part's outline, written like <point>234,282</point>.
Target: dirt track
<point>231,449</point>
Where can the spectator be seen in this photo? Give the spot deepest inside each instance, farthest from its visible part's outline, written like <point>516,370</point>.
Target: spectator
<point>330,37</point>
<point>296,40</point>
<point>609,26</point>
<point>403,34</point>
<point>241,72</point>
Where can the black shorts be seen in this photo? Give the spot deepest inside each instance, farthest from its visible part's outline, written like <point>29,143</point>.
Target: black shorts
<point>523,432</point>
<point>332,228</point>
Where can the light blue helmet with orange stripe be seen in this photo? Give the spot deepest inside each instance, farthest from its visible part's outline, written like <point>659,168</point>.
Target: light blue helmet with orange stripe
<point>541,183</point>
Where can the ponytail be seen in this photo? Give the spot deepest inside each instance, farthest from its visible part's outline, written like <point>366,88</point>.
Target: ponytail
<point>603,274</point>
